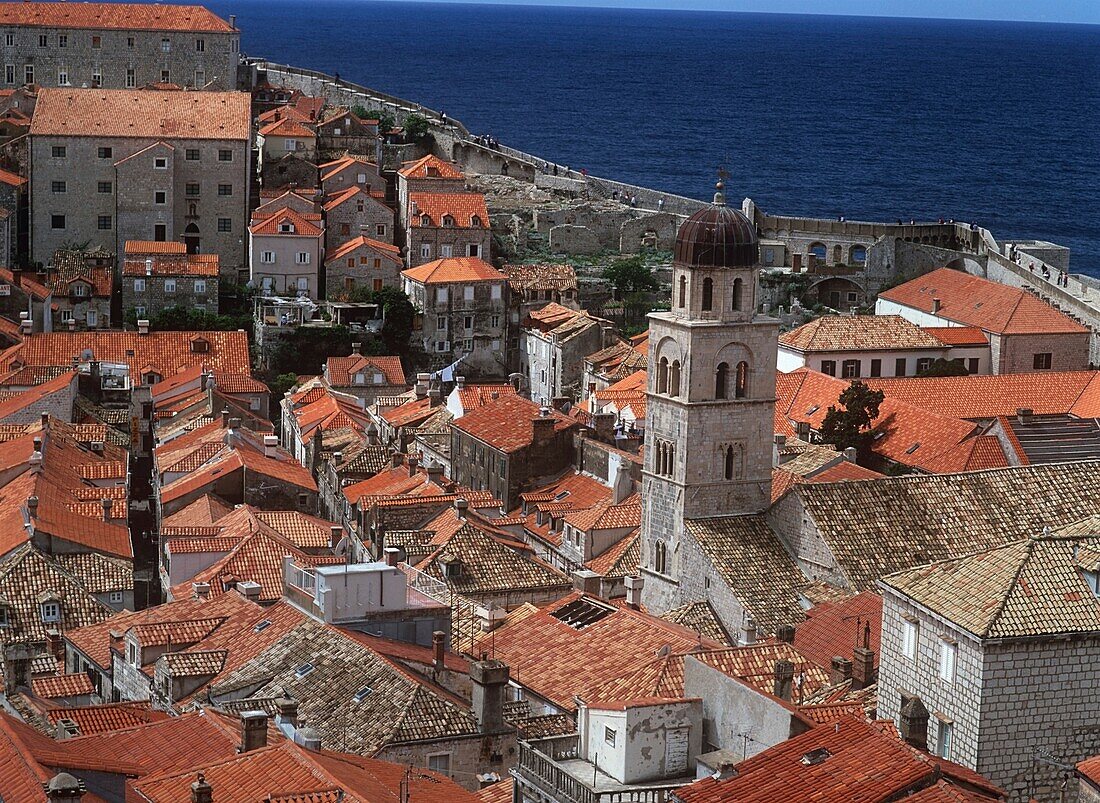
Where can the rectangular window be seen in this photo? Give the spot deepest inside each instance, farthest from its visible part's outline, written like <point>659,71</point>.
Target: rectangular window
<point>909,635</point>
<point>80,289</point>
<point>28,74</point>
<point>192,188</point>
<point>468,345</point>
<point>1043,361</point>
<point>972,365</point>
<point>225,224</point>
<point>876,367</point>
<point>899,366</point>
<point>115,597</point>
<point>57,221</point>
<point>166,45</point>
<point>267,257</point>
<point>467,322</point>
<point>160,232</point>
<point>850,369</point>
<point>495,292</point>
<point>104,186</point>
<point>303,284</point>
<point>474,250</point>
<point>66,315</point>
<point>440,763</point>
<point>445,251</point>
<point>43,40</point>
<point>609,736</point>
<point>441,322</point>
<point>169,285</point>
<point>103,223</point>
<point>160,197</point>
<point>769,256</point>
<point>949,653</point>
<point>425,251</point>
<point>51,611</point>
<point>376,285</point>
<point>9,39</point>
<point>58,151</point>
<point>97,42</point>
<point>57,186</point>
<point>302,258</point>
<point>192,154</point>
<point>380,230</point>
<point>828,367</point>
<point>923,364</point>
<point>97,77</point>
<point>105,153</point>
<point>139,285</point>
<point>9,73</point>
<point>468,292</point>
<point>130,42</point>
<point>200,45</point>
<point>139,311</point>
<point>945,735</point>
<point>290,144</point>
<point>225,189</point>
<point>200,285</point>
<point>160,163</point>
<point>131,80</point>
<point>62,77</point>
<point>225,155</point>
<point>62,40</point>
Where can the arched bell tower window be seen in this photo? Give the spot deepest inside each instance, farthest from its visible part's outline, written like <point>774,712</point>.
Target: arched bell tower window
<point>741,389</point>
<point>660,557</point>
<point>674,378</point>
<point>728,458</point>
<point>662,375</point>
<point>721,381</point>
<point>683,291</point>
<point>738,290</point>
<point>708,294</point>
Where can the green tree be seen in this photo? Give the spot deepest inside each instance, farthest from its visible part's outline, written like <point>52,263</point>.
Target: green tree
<point>385,119</point>
<point>280,385</point>
<point>942,367</point>
<point>399,315</point>
<point>305,351</point>
<point>416,127</point>
<point>851,426</point>
<point>631,275</point>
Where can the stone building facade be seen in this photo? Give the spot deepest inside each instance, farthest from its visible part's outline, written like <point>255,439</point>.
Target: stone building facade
<point>285,252</point>
<point>156,276</point>
<point>83,286</point>
<point>109,166</point>
<point>446,225</point>
<point>117,45</point>
<point>356,211</point>
<point>361,262</point>
<point>712,370</point>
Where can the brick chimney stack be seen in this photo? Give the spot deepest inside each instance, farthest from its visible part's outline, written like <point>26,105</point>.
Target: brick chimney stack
<point>201,791</point>
<point>253,731</point>
<point>107,504</point>
<point>489,679</point>
<point>841,670</point>
<point>783,680</point>
<point>863,667</point>
<point>438,640</point>
<point>64,788</point>
<point>913,722</point>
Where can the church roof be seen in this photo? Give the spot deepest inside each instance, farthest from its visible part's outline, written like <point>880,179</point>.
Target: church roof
<point>717,237</point>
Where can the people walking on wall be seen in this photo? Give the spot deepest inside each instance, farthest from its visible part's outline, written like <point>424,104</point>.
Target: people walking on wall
<point>660,204</point>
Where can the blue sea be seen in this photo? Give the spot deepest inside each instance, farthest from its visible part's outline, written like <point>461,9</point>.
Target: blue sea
<point>871,118</point>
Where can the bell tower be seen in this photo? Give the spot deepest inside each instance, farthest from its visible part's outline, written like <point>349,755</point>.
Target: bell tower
<point>711,396</point>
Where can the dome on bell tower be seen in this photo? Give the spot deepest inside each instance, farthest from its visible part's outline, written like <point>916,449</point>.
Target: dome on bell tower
<point>717,237</point>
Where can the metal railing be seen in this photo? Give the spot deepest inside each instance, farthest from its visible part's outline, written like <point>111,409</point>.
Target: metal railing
<point>538,765</point>
<point>426,584</point>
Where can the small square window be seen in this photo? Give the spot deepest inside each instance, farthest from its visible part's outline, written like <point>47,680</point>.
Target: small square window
<point>200,45</point>
<point>43,40</point>
<point>169,285</point>
<point>1043,361</point>
<point>105,153</point>
<point>51,611</point>
<point>57,221</point>
<point>103,222</point>
<point>225,155</point>
<point>139,285</point>
<point>63,40</point>
<point>225,189</point>
<point>160,163</point>
<point>166,45</point>
<point>116,597</point>
<point>58,151</point>
<point>192,154</point>
<point>97,42</point>
<point>160,197</point>
<point>225,224</point>
<point>192,188</point>
<point>200,285</point>
<point>104,186</point>
<point>57,186</point>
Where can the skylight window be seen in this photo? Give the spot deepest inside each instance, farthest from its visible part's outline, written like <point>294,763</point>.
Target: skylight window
<point>363,694</point>
<point>581,613</point>
<point>561,496</point>
<point>262,626</point>
<point>303,670</point>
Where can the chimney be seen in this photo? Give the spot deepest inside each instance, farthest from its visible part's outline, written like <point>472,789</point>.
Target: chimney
<point>392,555</point>
<point>489,680</point>
<point>143,326</point>
<point>271,445</point>
<point>542,428</point>
<point>396,459</point>
<point>913,722</point>
<point>66,729</point>
<point>106,509</point>
<point>850,454</point>
<point>438,639</point>
<point>462,506</point>
<point>200,590</point>
<point>863,667</point>
<point>435,398</point>
<point>308,738</point>
<point>249,590</point>
<point>785,633</point>
<point>796,263</point>
<point>148,266</point>
<point>225,419</point>
<point>288,712</point>
<point>233,21</point>
<point>784,680</point>
<point>421,386</point>
<point>935,305</point>
<point>802,430</point>
<point>413,461</point>
<point>490,617</point>
<point>435,473</point>
<point>841,670</point>
<point>586,581</point>
<point>72,324</point>
<point>460,382</point>
<point>335,535</point>
<point>748,633</point>
<point>356,348</point>
<point>623,484</point>
<point>634,591</point>
<point>64,788</point>
<point>253,731</point>
<point>44,419</point>
<point>54,645</point>
<point>32,506</point>
<point>1024,415</point>
<point>201,791</point>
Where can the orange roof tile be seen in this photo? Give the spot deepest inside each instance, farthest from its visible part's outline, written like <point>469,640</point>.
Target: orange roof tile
<point>454,270</point>
<point>113,16</point>
<point>466,208</point>
<point>974,301</point>
<point>75,685</point>
<point>355,243</point>
<point>7,177</point>
<point>958,335</point>
<point>473,396</point>
<point>858,333</point>
<point>287,127</point>
<point>205,265</point>
<point>341,371</point>
<point>133,113</point>
<point>92,719</point>
<point>507,424</point>
<point>302,225</point>
<point>339,198</point>
<point>835,628</point>
<point>154,247</point>
<point>430,166</point>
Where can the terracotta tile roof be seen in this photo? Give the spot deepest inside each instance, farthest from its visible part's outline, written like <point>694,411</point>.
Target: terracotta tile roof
<point>1090,768</point>
<point>621,560</point>
<point>454,270</point>
<point>204,510</point>
<point>355,243</point>
<point>473,396</point>
<point>302,530</point>
<point>618,361</point>
<point>38,395</point>
<point>467,208</point>
<point>287,127</point>
<point>858,333</point>
<point>913,520</point>
<point>973,301</point>
<point>507,423</point>
<point>499,792</point>
<point>702,618</point>
<point>547,655</point>
<point>133,113</point>
<point>164,352</point>
<point>27,283</point>
<point>93,719</point>
<point>341,371</point>
<point>101,280</point>
<point>113,16</point>
<point>100,574</point>
<point>52,688</point>
<point>958,335</point>
<point>755,565</point>
<point>346,194</point>
<point>1026,588</point>
<point>859,760</point>
<point>302,224</point>
<point>835,628</point>
<point>235,382</point>
<point>330,169</point>
<point>410,413</point>
<point>541,277</point>
<point>430,167</point>
<point>171,265</point>
<point>154,247</point>
<point>9,178</point>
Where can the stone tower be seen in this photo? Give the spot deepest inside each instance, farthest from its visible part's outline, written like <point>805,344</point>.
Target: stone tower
<point>711,396</point>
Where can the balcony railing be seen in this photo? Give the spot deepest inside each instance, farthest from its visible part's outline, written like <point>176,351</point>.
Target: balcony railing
<point>538,765</point>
